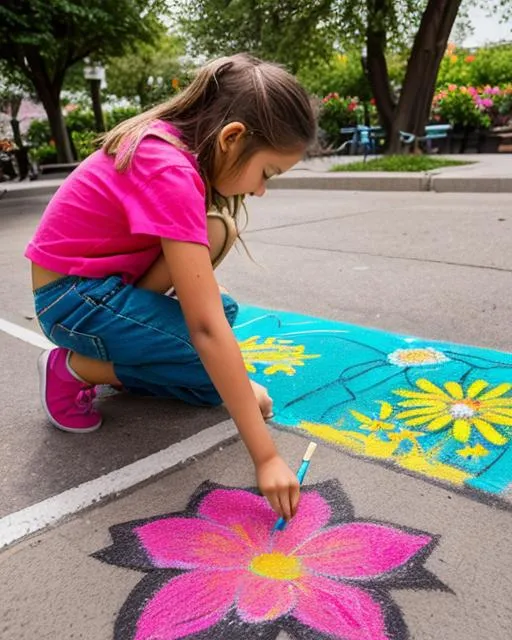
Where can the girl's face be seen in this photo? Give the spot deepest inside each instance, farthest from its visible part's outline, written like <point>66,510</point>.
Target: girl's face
<point>252,177</point>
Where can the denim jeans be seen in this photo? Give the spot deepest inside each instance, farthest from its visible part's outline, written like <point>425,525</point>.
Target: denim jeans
<point>142,333</point>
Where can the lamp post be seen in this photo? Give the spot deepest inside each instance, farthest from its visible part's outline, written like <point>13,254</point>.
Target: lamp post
<point>364,64</point>
<point>95,74</point>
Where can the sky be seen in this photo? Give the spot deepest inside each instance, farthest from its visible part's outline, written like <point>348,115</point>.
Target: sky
<point>487,29</point>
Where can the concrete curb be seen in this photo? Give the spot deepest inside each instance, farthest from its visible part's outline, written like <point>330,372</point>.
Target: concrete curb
<point>394,182</point>
<point>411,182</point>
<point>47,188</point>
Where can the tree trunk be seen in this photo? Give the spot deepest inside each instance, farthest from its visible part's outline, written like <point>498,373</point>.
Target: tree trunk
<point>377,68</point>
<point>48,89</point>
<point>53,110</point>
<point>419,84</point>
<point>15,126</point>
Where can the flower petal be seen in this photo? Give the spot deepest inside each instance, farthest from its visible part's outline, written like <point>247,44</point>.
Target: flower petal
<point>360,417</point>
<point>262,599</point>
<point>498,391</point>
<point>359,550</point>
<point>186,605</point>
<point>431,388</point>
<point>191,543</point>
<point>440,423</point>
<point>497,418</point>
<point>245,513</point>
<point>313,514</point>
<point>339,610</point>
<point>434,404</point>
<point>386,409</point>
<point>424,411</point>
<point>421,420</point>
<point>455,390</point>
<point>491,434</point>
<point>461,430</point>
<point>498,402</point>
<point>476,387</point>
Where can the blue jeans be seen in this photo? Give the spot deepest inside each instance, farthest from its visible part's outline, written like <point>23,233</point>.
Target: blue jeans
<point>141,332</point>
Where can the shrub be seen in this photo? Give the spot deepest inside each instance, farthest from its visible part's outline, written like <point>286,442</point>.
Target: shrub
<point>463,106</point>
<point>44,154</point>
<point>85,143</point>
<point>39,133</point>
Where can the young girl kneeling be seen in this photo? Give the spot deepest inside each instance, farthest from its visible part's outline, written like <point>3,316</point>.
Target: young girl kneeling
<point>131,222</point>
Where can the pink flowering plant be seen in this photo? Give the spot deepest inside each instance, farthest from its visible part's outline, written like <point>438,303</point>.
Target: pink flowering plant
<point>217,570</point>
<point>475,107</point>
<point>339,111</point>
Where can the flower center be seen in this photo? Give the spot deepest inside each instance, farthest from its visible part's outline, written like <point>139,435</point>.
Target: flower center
<point>464,409</point>
<point>276,566</point>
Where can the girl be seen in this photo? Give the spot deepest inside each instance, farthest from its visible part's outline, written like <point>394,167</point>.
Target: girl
<point>131,221</point>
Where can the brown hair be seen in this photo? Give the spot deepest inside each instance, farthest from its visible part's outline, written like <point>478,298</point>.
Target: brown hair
<point>269,101</point>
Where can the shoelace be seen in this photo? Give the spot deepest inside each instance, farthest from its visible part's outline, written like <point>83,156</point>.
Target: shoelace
<point>85,398</point>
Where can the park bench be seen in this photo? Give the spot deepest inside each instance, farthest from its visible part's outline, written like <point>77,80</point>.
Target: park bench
<point>367,139</point>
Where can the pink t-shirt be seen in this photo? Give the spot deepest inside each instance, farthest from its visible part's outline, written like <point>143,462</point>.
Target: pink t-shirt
<point>102,222</point>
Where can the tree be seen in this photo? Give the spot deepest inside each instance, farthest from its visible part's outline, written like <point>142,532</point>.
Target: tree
<point>147,72</point>
<point>379,26</point>
<point>44,38</point>
<point>289,31</point>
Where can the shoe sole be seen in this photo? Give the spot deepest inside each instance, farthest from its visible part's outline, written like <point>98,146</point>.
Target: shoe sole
<point>42,366</point>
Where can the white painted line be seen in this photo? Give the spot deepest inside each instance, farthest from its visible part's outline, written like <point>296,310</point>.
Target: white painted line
<point>48,512</point>
<point>27,335</point>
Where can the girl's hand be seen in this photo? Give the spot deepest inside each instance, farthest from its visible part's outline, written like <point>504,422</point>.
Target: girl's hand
<point>279,485</point>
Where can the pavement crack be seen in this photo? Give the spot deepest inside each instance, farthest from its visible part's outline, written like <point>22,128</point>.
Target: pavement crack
<point>304,223</point>
<point>380,255</point>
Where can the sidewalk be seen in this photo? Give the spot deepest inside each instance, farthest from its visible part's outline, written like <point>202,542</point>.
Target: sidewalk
<point>489,174</point>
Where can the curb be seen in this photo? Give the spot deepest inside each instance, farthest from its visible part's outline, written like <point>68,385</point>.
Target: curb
<point>395,182</point>
<point>434,182</point>
<point>27,192</point>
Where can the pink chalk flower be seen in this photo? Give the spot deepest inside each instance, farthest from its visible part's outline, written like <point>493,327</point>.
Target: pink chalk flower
<point>218,570</point>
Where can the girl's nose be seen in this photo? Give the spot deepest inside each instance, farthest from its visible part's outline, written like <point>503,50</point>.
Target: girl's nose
<point>260,191</point>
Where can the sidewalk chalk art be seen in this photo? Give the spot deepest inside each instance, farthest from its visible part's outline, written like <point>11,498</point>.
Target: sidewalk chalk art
<point>437,409</point>
<point>217,572</point>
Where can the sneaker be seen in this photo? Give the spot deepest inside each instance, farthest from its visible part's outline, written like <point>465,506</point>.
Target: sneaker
<point>66,398</point>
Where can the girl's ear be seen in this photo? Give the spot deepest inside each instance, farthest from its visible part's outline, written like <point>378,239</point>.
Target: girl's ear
<point>230,135</point>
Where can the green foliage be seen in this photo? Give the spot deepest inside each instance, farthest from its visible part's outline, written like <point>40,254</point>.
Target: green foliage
<point>39,133</point>
<point>342,73</point>
<point>464,106</point>
<point>292,32</point>
<point>486,66</point>
<point>147,72</point>
<point>492,65</point>
<point>408,163</point>
<point>80,120</point>
<point>85,143</point>
<point>44,154</point>
<point>44,38</point>
<point>69,30</point>
<point>338,112</point>
<point>117,115</point>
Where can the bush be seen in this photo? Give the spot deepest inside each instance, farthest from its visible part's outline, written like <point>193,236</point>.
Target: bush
<point>118,114</point>
<point>85,143</point>
<point>44,154</point>
<point>80,120</point>
<point>487,66</point>
<point>338,112</point>
<point>39,133</point>
<point>463,106</point>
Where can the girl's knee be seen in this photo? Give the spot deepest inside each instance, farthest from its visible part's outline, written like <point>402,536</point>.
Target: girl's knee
<point>230,308</point>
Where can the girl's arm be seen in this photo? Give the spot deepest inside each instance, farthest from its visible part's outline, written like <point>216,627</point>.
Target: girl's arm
<point>192,274</point>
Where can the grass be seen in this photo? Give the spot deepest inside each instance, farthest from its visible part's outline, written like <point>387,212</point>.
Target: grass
<point>406,163</point>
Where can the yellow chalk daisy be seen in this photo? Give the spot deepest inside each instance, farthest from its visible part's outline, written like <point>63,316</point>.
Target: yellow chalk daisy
<point>435,408</point>
<point>376,424</point>
<point>274,355</point>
